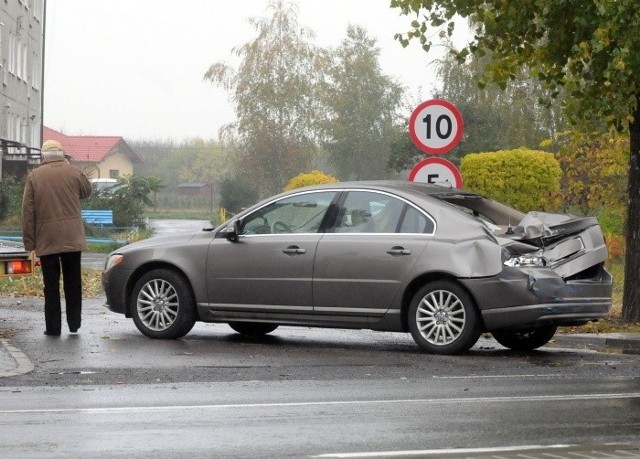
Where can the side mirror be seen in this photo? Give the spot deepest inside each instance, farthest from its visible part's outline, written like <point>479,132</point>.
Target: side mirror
<point>232,231</point>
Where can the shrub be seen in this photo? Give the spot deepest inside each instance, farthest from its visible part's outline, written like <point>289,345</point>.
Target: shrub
<point>612,219</point>
<point>309,178</point>
<point>594,170</point>
<point>522,178</point>
<point>11,190</point>
<point>127,199</point>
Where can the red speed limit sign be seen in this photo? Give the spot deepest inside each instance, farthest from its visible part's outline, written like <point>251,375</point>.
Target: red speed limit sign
<point>436,126</point>
<point>436,171</point>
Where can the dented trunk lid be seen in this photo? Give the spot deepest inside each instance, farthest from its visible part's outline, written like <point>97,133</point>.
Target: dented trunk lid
<point>570,244</point>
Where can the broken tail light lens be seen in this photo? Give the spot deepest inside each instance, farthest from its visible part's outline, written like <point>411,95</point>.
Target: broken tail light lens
<point>527,260</point>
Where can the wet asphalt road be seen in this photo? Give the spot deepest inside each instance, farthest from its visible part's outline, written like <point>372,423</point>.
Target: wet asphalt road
<point>93,260</point>
<point>167,227</point>
<point>110,392</point>
<point>301,418</point>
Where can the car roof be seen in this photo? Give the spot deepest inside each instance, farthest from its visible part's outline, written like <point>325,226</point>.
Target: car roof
<point>393,186</point>
<point>407,189</point>
<point>413,191</point>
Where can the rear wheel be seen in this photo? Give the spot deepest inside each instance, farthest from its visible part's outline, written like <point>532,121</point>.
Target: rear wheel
<point>162,305</point>
<point>527,339</point>
<point>443,318</point>
<point>253,328</point>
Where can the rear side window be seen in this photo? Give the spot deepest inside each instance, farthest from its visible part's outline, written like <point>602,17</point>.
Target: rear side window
<point>415,222</point>
<point>380,213</point>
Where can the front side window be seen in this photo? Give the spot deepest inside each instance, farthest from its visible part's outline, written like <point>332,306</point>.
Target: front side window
<point>302,213</point>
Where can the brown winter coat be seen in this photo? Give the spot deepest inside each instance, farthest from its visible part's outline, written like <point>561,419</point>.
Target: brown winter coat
<point>51,220</point>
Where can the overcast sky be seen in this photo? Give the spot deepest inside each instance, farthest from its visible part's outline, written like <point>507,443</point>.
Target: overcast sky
<point>134,68</point>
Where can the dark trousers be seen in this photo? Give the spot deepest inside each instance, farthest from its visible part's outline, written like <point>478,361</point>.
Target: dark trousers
<point>72,286</point>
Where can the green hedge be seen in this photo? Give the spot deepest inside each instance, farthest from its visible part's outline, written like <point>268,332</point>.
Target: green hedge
<point>309,178</point>
<point>522,178</point>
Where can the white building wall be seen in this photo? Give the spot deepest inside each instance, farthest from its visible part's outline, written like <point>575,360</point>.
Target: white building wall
<point>21,48</point>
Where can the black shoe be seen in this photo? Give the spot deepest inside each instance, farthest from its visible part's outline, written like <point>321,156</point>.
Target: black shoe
<point>73,329</point>
<point>48,333</point>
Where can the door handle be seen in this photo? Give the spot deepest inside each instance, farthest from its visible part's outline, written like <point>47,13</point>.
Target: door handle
<point>397,250</point>
<point>294,250</point>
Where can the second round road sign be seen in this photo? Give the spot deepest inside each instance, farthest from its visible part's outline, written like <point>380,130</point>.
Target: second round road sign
<point>436,171</point>
<point>436,126</point>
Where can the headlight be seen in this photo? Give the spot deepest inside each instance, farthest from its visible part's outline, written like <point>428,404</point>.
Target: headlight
<point>112,261</point>
<point>527,260</point>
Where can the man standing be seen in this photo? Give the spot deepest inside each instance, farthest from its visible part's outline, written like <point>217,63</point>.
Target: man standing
<point>52,226</point>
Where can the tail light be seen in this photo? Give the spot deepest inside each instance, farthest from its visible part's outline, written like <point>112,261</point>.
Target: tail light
<point>19,267</point>
<point>16,267</point>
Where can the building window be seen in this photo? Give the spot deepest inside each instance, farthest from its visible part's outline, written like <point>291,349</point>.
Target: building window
<point>17,59</point>
<point>114,173</point>
<point>18,126</point>
<point>12,54</point>
<point>25,62</point>
<point>35,134</point>
<point>10,126</point>
<point>38,9</point>
<point>35,72</point>
<point>3,74</point>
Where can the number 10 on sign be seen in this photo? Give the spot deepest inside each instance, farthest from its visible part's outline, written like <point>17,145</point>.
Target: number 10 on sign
<point>436,126</point>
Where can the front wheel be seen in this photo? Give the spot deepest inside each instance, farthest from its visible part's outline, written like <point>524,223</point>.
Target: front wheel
<point>525,340</point>
<point>162,305</point>
<point>443,318</point>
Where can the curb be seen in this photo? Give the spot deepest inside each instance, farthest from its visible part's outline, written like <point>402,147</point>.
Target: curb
<point>627,343</point>
<point>13,361</point>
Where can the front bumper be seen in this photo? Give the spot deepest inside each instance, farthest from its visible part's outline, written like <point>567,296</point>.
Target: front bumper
<point>114,285</point>
<point>532,297</point>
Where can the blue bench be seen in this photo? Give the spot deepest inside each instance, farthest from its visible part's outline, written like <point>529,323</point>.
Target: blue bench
<point>98,217</point>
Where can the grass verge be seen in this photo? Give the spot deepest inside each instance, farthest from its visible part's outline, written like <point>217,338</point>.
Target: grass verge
<point>32,286</point>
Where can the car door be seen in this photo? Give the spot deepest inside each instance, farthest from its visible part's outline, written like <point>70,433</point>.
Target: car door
<point>269,267</point>
<point>361,265</point>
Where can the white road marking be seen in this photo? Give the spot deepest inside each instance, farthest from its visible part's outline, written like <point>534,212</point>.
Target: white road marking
<point>434,401</point>
<point>470,451</point>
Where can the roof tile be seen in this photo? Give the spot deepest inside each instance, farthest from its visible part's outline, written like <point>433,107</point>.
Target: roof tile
<point>88,148</point>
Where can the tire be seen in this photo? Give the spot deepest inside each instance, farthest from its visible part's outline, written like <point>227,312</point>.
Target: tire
<point>253,328</point>
<point>162,305</point>
<point>443,318</point>
<point>525,340</point>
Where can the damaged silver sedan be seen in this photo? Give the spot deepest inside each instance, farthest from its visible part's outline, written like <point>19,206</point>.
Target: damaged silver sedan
<point>442,264</point>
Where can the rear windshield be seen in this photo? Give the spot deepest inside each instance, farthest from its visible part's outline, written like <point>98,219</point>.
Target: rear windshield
<point>483,208</point>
